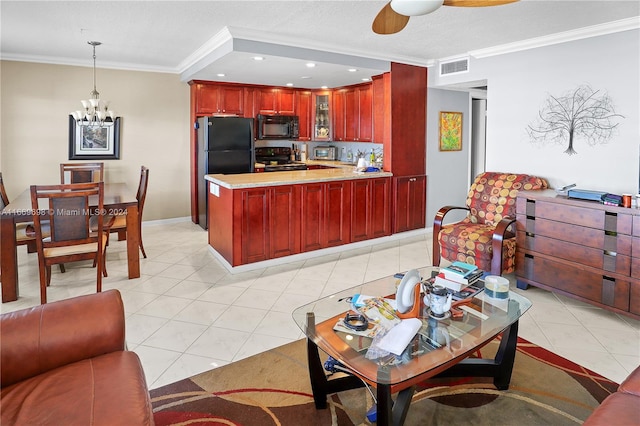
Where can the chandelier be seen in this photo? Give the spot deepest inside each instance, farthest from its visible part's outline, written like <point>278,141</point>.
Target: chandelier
<point>96,112</point>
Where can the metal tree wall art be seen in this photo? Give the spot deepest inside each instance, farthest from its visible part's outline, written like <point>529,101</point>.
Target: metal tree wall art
<point>583,114</point>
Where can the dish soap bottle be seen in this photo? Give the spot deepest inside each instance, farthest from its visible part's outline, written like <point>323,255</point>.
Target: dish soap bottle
<point>372,158</point>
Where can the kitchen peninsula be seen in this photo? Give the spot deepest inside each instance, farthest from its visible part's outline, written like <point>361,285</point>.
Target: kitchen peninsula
<point>261,216</point>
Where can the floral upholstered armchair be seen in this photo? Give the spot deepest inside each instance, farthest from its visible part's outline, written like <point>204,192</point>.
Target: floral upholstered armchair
<point>485,237</point>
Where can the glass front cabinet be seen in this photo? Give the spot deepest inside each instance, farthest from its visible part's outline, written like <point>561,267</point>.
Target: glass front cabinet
<point>322,126</point>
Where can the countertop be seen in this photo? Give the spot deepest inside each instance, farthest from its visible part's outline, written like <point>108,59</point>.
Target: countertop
<point>338,171</point>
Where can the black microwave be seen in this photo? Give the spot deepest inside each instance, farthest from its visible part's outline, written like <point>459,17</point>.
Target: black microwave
<point>277,127</point>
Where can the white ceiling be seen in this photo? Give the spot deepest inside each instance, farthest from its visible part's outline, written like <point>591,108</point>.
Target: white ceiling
<point>198,39</point>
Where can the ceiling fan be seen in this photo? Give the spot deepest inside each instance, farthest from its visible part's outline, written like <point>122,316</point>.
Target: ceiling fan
<point>395,15</point>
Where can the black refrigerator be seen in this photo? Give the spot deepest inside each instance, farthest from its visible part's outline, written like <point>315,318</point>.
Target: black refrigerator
<point>225,145</point>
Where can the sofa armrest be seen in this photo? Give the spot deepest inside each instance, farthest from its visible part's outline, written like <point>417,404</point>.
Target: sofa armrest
<point>48,336</point>
<point>437,226</point>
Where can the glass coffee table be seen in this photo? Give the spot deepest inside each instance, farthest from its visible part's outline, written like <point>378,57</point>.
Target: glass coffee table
<point>440,348</point>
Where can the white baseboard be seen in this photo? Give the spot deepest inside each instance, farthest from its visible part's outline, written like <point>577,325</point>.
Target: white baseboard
<point>315,253</point>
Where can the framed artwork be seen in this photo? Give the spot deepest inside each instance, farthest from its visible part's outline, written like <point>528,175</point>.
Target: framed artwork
<point>94,143</point>
<point>450,131</point>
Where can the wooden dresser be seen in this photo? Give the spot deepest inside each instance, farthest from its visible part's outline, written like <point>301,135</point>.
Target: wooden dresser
<point>581,249</point>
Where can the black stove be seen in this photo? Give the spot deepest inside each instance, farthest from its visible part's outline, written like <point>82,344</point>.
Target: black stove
<point>277,159</point>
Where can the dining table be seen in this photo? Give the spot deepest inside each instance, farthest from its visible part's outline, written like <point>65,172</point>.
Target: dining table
<point>119,198</point>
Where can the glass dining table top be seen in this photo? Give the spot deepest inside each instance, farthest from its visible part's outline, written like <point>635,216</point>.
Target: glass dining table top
<point>439,343</point>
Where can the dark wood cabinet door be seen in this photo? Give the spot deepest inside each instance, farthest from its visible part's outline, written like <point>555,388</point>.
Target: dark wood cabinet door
<point>379,107</point>
<point>304,111</point>
<point>285,221</point>
<point>365,114</point>
<point>312,216</point>
<point>380,201</point>
<point>339,115</point>
<point>272,101</point>
<point>207,99</point>
<point>255,225</point>
<point>351,115</point>
<point>410,202</point>
<point>265,101</point>
<point>286,102</point>
<point>370,209</point>
<point>360,209</point>
<point>231,100</point>
<point>337,215</point>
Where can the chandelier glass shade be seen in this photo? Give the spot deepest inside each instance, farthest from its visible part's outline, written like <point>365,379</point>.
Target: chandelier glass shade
<point>96,111</point>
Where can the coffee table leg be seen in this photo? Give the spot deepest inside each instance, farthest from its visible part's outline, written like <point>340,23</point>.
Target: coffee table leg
<point>320,385</point>
<point>505,357</point>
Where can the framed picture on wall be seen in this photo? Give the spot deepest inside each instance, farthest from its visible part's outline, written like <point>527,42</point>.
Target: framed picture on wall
<point>94,142</point>
<point>450,131</point>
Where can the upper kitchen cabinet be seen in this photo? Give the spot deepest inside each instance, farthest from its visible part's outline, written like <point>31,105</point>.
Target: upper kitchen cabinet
<point>275,101</point>
<point>219,99</point>
<point>305,112</point>
<point>322,116</point>
<point>353,113</point>
<point>405,133</point>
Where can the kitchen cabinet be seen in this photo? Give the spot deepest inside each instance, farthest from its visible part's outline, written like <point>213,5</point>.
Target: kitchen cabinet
<point>406,112</point>
<point>354,113</point>
<point>370,209</point>
<point>410,195</point>
<point>325,215</point>
<point>339,115</point>
<point>284,211</point>
<point>322,125</point>
<point>359,113</point>
<point>581,249</point>
<point>305,112</point>
<point>219,99</point>
<point>255,224</point>
<point>381,117</point>
<point>275,101</point>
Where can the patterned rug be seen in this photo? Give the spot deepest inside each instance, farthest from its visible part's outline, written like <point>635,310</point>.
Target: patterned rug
<point>273,388</point>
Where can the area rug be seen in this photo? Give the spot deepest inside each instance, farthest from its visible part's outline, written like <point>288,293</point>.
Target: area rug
<point>273,388</point>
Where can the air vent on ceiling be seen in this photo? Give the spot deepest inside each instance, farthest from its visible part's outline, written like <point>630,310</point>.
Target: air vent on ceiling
<point>454,67</point>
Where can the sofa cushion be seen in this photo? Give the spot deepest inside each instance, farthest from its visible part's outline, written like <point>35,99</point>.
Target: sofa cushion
<point>105,390</point>
<point>632,384</point>
<point>617,409</point>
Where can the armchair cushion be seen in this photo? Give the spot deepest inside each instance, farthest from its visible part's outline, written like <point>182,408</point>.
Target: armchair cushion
<point>491,205</point>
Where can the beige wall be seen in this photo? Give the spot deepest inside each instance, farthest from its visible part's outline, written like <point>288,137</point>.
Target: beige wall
<point>36,100</point>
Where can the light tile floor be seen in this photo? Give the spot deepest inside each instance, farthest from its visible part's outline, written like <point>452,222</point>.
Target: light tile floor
<point>187,314</point>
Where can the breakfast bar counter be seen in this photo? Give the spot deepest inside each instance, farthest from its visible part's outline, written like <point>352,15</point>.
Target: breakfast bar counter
<point>255,217</point>
<point>254,180</point>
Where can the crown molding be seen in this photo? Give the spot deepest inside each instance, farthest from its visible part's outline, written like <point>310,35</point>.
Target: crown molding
<point>563,37</point>
<point>121,66</point>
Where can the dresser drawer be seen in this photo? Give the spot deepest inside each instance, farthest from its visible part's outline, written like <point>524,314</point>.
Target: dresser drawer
<point>572,279</point>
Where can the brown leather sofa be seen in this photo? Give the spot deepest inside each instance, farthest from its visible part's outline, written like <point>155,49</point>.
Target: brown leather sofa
<point>620,408</point>
<point>65,363</point>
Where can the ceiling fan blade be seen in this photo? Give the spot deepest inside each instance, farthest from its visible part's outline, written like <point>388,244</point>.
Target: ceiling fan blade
<point>477,3</point>
<point>387,21</point>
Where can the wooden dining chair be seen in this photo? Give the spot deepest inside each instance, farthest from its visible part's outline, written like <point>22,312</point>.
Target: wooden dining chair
<point>25,233</point>
<point>120,221</point>
<point>81,172</point>
<point>67,209</point>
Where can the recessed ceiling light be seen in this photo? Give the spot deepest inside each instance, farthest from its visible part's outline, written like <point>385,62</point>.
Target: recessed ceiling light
<point>258,58</point>
<point>366,79</point>
<point>220,74</point>
<point>352,70</point>
<point>310,65</point>
<point>324,87</point>
<point>289,84</point>
<point>305,77</point>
